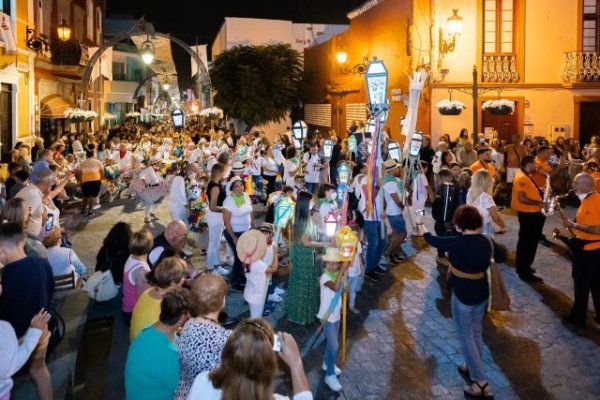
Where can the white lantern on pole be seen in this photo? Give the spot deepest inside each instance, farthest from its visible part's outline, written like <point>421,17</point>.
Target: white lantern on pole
<point>330,224</point>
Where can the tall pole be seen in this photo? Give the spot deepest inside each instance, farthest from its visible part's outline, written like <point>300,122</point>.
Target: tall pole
<point>475,89</point>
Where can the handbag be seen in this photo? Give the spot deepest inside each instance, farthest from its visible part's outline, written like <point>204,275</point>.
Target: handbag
<point>101,286</point>
<point>499,297</point>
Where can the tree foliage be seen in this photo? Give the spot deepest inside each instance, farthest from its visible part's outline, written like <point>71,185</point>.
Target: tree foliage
<point>257,84</point>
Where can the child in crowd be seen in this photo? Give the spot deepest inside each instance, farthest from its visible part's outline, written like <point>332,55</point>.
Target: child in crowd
<point>251,249</point>
<point>256,172</point>
<point>420,193</point>
<point>274,293</point>
<point>356,271</point>
<point>299,184</point>
<point>330,283</point>
<point>135,271</point>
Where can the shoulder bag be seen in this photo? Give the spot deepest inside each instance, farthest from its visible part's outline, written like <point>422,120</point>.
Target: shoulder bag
<point>499,298</point>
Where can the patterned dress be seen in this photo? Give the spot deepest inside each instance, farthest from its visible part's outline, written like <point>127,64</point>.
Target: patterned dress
<point>302,300</point>
<point>200,347</point>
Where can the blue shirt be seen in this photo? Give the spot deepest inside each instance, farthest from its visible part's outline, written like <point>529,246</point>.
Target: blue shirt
<point>152,367</point>
<point>27,287</point>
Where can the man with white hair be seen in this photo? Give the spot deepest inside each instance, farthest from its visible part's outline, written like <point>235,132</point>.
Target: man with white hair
<point>42,180</point>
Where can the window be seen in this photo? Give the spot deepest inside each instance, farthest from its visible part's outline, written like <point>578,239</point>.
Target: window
<point>498,26</point>
<point>591,18</point>
<point>118,71</point>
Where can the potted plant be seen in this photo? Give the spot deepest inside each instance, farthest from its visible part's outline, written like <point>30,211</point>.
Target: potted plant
<point>450,107</point>
<point>499,107</point>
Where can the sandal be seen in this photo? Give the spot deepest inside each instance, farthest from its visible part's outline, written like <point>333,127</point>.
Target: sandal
<point>482,394</point>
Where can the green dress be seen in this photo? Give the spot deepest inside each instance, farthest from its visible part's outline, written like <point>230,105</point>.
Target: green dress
<point>302,300</point>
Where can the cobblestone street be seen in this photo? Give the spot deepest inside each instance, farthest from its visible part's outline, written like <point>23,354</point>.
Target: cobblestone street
<point>404,346</point>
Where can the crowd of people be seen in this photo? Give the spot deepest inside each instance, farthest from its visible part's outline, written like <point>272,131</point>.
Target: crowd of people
<point>222,184</point>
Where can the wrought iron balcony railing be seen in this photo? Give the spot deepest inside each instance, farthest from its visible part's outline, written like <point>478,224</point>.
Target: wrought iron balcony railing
<point>500,68</point>
<point>581,66</point>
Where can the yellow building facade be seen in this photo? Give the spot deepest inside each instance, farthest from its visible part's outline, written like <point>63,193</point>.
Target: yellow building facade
<point>16,78</point>
<point>542,54</point>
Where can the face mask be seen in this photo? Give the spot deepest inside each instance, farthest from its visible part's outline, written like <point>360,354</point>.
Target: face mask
<point>333,196</point>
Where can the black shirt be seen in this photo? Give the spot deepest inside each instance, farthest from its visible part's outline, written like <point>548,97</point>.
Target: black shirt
<point>113,259</point>
<point>27,287</point>
<point>221,197</point>
<point>470,254</point>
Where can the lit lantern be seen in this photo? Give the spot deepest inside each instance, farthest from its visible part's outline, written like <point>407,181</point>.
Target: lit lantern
<point>415,144</point>
<point>330,224</point>
<point>63,31</point>
<point>346,242</point>
<point>297,144</point>
<point>343,173</point>
<point>178,118</point>
<point>377,81</point>
<point>284,209</point>
<point>370,126</point>
<point>352,146</point>
<point>300,130</point>
<point>147,51</point>
<point>394,150</point>
<point>327,148</point>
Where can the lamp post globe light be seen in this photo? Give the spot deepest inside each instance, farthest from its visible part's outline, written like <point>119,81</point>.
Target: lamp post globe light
<point>147,51</point>
<point>63,31</point>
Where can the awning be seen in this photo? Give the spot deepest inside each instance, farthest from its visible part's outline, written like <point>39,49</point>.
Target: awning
<point>54,106</point>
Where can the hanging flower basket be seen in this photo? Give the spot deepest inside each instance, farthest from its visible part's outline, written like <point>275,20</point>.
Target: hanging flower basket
<point>132,115</point>
<point>79,115</point>
<point>499,107</point>
<point>212,113</point>
<point>450,107</point>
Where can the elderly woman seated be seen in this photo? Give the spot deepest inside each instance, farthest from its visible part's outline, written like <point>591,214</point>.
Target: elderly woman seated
<point>62,260</point>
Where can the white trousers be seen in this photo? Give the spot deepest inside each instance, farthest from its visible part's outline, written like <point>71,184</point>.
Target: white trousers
<point>213,257</point>
<point>256,310</point>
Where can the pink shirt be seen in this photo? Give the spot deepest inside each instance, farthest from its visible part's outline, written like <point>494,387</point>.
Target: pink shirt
<point>129,292</point>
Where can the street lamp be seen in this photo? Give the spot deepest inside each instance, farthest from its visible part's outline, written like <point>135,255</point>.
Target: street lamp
<point>147,51</point>
<point>341,57</point>
<point>300,130</point>
<point>454,26</point>
<point>394,150</point>
<point>63,30</point>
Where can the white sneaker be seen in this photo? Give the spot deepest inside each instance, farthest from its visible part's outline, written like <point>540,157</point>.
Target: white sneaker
<point>275,298</point>
<point>279,291</point>
<point>221,271</point>
<point>333,383</point>
<point>97,206</point>
<point>337,370</point>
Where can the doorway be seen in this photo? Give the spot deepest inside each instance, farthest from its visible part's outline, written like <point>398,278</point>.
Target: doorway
<point>589,120</point>
<point>6,122</point>
<point>506,125</point>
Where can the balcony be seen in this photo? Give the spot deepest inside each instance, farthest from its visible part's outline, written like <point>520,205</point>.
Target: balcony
<point>581,66</point>
<point>500,69</point>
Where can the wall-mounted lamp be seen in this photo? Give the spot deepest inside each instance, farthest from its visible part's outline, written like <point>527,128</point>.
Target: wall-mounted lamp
<point>358,69</point>
<point>36,43</point>
<point>147,51</point>
<point>454,26</point>
<point>64,31</point>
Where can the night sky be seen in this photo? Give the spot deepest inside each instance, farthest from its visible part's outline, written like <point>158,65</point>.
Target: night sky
<point>200,20</point>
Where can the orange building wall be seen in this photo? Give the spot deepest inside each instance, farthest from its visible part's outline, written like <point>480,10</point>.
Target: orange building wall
<point>380,32</point>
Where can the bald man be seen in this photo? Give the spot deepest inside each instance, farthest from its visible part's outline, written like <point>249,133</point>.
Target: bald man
<point>169,243</point>
<point>586,252</point>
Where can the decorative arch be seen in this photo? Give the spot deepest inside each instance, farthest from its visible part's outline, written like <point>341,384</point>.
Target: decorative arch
<point>203,83</point>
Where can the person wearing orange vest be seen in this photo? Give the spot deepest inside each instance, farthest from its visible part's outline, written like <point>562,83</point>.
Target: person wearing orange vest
<point>543,169</point>
<point>527,202</point>
<point>586,252</point>
<point>484,161</point>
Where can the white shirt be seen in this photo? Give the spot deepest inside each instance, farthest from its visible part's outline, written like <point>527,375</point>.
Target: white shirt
<point>483,203</point>
<point>12,355</point>
<point>269,165</point>
<point>33,198</point>
<point>311,173</point>
<point>203,389</point>
<point>326,296</point>
<point>419,192</point>
<point>257,163</point>
<point>241,217</point>
<point>177,196</point>
<point>125,162</point>
<point>256,282</point>
<point>324,209</point>
<point>391,207</point>
<point>354,269</point>
<point>290,165</point>
<point>149,176</point>
<point>269,254</point>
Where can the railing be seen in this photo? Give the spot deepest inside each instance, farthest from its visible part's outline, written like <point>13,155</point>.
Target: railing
<point>581,66</point>
<point>500,69</point>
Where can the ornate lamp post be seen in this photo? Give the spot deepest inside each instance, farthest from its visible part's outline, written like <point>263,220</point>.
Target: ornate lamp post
<point>299,132</point>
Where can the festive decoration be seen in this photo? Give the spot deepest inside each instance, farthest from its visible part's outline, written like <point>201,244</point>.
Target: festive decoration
<point>78,114</point>
<point>450,107</point>
<point>327,148</point>
<point>346,242</point>
<point>499,107</point>
<point>394,150</point>
<point>197,216</point>
<point>330,224</point>
<point>352,146</point>
<point>212,113</point>
<point>284,210</point>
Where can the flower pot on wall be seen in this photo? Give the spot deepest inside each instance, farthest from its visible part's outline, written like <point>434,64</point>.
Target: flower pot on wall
<point>450,111</point>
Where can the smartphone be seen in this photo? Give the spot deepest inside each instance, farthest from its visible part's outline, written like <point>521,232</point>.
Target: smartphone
<point>49,223</point>
<point>276,344</point>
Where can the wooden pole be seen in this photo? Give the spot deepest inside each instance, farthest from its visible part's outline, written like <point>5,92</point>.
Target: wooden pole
<point>475,90</point>
<point>344,318</point>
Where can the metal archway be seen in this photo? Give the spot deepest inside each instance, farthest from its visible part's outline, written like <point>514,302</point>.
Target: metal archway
<point>202,78</point>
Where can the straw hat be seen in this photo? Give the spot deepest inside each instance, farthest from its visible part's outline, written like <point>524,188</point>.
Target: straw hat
<point>251,246</point>
<point>237,167</point>
<point>390,164</point>
<point>332,254</point>
<point>154,160</point>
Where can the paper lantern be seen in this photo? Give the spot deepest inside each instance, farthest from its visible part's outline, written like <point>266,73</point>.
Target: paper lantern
<point>346,242</point>
<point>343,173</point>
<point>330,224</point>
<point>327,148</point>
<point>352,146</point>
<point>284,209</point>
